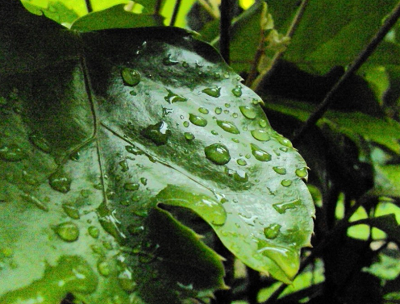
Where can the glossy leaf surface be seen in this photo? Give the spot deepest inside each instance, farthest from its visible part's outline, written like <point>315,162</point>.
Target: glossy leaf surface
<point>101,127</point>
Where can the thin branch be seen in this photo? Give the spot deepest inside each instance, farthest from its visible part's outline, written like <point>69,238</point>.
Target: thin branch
<point>157,7</point>
<point>225,25</point>
<point>328,239</point>
<point>256,86</point>
<point>357,63</point>
<point>260,49</point>
<point>175,13</point>
<point>89,6</point>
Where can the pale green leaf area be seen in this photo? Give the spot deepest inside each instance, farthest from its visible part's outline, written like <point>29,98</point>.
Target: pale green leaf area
<point>307,278</point>
<point>115,17</point>
<point>383,131</point>
<point>100,128</point>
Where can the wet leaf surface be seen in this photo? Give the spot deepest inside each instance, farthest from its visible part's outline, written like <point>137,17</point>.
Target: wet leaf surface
<point>96,135</point>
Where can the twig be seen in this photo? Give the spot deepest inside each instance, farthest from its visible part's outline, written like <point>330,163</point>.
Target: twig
<point>225,25</point>
<point>329,237</point>
<point>357,63</point>
<point>89,6</point>
<point>175,13</point>
<point>260,49</point>
<point>157,7</point>
<point>256,86</point>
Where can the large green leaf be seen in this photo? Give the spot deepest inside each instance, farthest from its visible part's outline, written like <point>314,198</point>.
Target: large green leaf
<point>97,130</point>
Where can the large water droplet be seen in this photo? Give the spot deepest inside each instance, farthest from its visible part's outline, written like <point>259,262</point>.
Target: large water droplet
<point>259,153</point>
<point>248,112</point>
<point>261,135</point>
<point>158,133</point>
<point>228,126</point>
<point>35,201</point>
<point>282,207</point>
<point>130,76</point>
<point>104,268</point>
<point>71,211</point>
<point>12,153</point>
<point>197,120</point>
<point>203,110</point>
<point>168,61</point>
<point>302,172</point>
<point>94,232</point>
<point>237,91</point>
<point>126,281</point>
<point>286,182</point>
<point>40,142</point>
<point>189,136</point>
<point>131,186</point>
<point>279,170</point>
<point>60,181</point>
<point>272,231</point>
<point>69,231</point>
<point>213,92</point>
<point>172,97</point>
<point>218,154</point>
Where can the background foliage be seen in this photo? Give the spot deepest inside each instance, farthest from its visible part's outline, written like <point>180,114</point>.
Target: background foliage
<point>353,152</point>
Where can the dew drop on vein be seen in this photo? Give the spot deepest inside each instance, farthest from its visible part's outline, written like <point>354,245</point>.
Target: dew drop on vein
<point>68,231</point>
<point>217,153</point>
<point>12,153</point>
<point>228,126</point>
<point>213,92</point>
<point>130,76</point>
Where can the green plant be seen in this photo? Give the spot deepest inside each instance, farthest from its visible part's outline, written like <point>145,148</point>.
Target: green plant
<point>124,140</point>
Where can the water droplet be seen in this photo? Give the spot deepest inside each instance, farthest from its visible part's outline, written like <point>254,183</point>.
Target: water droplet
<point>125,280</point>
<point>189,136</point>
<point>218,154</point>
<point>260,154</point>
<point>241,162</point>
<point>168,61</point>
<point>29,178</point>
<point>71,211</point>
<point>157,133</point>
<point>248,112</point>
<point>69,231</point>
<point>302,172</point>
<point>227,105</point>
<point>131,77</point>
<point>213,132</point>
<point>284,141</point>
<point>197,120</point>
<point>280,170</point>
<point>228,126</point>
<point>203,110</point>
<point>186,124</point>
<point>237,91</point>
<point>286,182</point>
<point>60,181</point>
<point>218,110</point>
<point>282,207</point>
<point>213,92</point>
<point>94,232</point>
<point>104,268</point>
<point>12,153</point>
<point>109,222</point>
<point>131,186</point>
<point>134,150</point>
<point>135,230</point>
<point>40,142</point>
<point>133,93</point>
<point>35,201</point>
<point>261,135</point>
<point>124,165</point>
<point>143,180</point>
<point>272,231</point>
<point>172,97</point>
<point>240,176</point>
<point>263,123</point>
